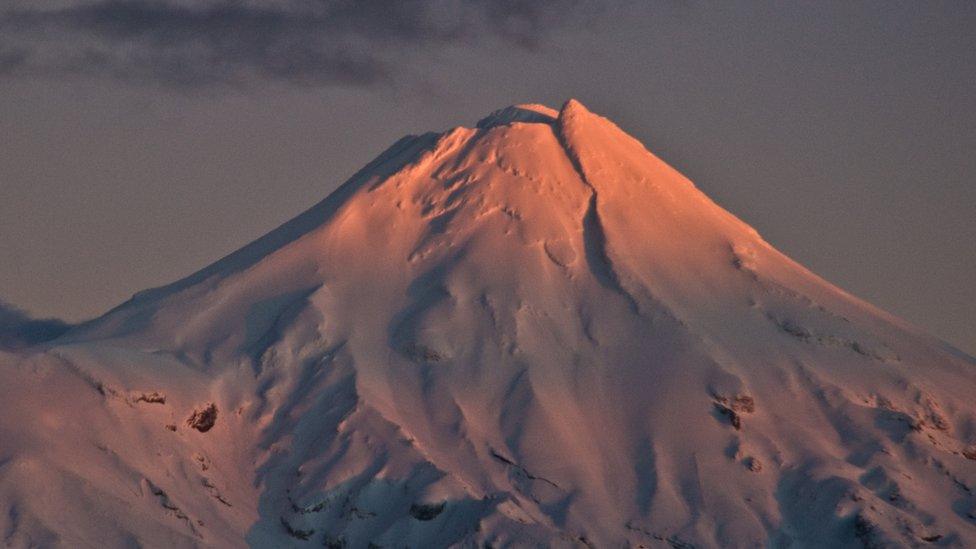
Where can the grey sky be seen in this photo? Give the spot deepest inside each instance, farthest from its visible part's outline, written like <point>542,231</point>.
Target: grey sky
<point>143,140</point>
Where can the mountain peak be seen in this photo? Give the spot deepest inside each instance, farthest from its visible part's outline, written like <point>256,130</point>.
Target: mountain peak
<point>528,112</point>
<point>527,333</point>
<point>532,113</point>
<point>573,106</point>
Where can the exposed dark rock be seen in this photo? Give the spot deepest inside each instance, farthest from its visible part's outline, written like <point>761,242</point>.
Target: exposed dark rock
<point>733,407</point>
<point>743,403</point>
<point>521,470</point>
<point>729,413</point>
<point>316,508</point>
<point>970,452</point>
<point>203,460</point>
<point>426,511</point>
<point>214,492</point>
<point>361,514</point>
<point>296,533</point>
<point>674,542</point>
<point>803,333</point>
<point>939,465</point>
<point>794,329</point>
<point>934,415</point>
<point>421,353</point>
<point>168,504</point>
<point>203,420</point>
<point>152,398</point>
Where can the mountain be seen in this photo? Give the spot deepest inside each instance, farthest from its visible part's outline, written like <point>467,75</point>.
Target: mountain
<point>529,333</point>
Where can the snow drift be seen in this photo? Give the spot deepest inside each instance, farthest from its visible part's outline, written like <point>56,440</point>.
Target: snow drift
<point>528,333</point>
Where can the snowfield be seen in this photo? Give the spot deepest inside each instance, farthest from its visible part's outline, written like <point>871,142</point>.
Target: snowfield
<point>531,333</point>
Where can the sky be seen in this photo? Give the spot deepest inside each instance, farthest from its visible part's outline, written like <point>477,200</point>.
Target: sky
<point>144,139</point>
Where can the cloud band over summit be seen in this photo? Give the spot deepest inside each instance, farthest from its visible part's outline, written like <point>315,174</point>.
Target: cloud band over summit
<point>313,42</point>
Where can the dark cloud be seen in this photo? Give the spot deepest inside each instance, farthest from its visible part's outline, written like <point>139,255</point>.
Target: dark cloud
<point>19,330</point>
<point>317,42</point>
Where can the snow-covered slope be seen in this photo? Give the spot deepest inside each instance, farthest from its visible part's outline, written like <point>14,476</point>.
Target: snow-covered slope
<point>529,333</point>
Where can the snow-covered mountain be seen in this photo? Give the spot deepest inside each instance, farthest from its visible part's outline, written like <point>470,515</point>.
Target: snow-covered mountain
<point>529,333</point>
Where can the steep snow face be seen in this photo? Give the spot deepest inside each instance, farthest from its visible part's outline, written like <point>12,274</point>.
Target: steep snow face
<point>533,332</point>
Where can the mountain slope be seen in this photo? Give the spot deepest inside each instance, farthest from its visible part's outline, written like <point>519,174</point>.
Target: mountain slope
<point>532,332</point>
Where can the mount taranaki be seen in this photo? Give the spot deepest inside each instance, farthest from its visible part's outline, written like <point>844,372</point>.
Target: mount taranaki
<point>530,333</point>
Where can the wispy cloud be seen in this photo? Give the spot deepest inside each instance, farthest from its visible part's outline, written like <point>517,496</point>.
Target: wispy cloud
<point>18,329</point>
<point>220,42</point>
